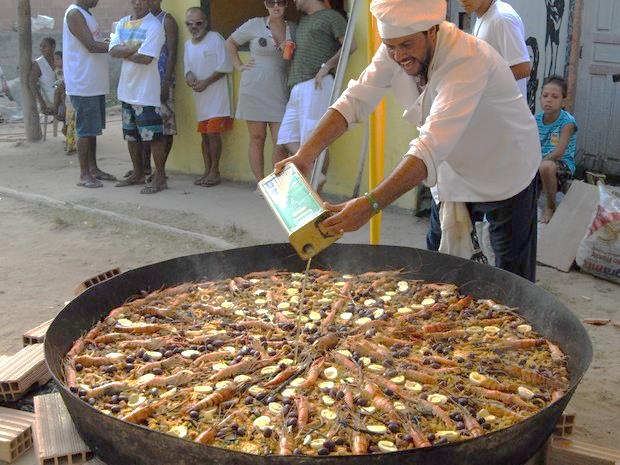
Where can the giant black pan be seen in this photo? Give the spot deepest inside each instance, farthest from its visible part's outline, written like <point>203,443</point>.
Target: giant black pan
<point>120,443</point>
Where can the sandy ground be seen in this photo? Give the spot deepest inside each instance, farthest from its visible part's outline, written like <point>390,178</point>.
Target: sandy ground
<point>45,251</point>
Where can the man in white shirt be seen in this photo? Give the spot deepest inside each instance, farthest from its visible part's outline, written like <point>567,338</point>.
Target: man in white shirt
<point>87,82</point>
<point>478,142</point>
<point>498,24</point>
<point>138,40</point>
<point>207,65</point>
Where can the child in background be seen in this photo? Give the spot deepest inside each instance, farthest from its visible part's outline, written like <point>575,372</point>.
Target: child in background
<point>62,106</point>
<point>558,136</point>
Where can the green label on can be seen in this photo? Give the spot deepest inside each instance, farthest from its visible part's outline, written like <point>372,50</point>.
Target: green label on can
<point>290,198</point>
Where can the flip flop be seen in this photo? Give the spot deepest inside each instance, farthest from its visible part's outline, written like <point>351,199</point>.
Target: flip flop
<point>128,182</point>
<point>102,176</point>
<point>153,189</point>
<point>90,183</point>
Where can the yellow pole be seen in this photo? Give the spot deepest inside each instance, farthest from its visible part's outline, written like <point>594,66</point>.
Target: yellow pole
<point>377,138</point>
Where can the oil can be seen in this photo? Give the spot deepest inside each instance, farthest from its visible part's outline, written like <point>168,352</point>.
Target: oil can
<point>299,209</point>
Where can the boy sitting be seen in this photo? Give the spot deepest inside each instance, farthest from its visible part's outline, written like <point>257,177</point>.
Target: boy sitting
<point>558,136</point>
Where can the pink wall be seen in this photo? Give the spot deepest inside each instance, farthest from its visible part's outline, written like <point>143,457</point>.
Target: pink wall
<point>106,12</point>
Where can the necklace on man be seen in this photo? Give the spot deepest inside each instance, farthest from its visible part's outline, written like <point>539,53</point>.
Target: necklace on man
<point>482,18</point>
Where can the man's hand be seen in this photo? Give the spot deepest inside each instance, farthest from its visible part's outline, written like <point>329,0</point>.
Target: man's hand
<point>190,79</point>
<point>348,216</point>
<point>200,85</point>
<point>246,66</point>
<point>318,79</point>
<point>304,164</point>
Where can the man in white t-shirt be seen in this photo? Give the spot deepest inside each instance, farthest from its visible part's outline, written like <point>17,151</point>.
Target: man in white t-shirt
<point>87,82</point>
<point>499,25</point>
<point>138,40</point>
<point>207,65</point>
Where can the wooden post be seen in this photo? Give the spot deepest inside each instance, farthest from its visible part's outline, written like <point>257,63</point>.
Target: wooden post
<point>575,54</point>
<point>31,114</point>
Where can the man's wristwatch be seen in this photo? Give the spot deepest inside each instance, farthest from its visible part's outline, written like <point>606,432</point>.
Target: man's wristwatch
<point>374,204</point>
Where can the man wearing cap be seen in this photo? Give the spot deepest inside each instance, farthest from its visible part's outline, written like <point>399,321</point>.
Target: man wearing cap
<point>478,142</point>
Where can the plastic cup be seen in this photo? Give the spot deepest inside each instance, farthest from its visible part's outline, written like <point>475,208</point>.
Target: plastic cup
<point>289,48</point>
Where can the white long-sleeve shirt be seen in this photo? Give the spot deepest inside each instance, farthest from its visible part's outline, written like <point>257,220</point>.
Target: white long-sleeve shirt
<point>477,137</point>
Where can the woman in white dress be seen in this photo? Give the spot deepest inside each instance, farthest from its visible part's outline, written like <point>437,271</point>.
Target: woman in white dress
<point>263,93</point>
<point>43,76</point>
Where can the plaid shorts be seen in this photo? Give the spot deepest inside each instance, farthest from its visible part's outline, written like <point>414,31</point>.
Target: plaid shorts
<point>563,173</point>
<point>141,123</point>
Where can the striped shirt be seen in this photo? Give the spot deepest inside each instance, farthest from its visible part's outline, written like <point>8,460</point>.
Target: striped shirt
<point>317,41</point>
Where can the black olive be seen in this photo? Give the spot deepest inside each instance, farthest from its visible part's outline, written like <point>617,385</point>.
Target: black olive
<point>339,441</point>
<point>270,399</point>
<point>241,431</point>
<point>249,400</point>
<point>487,426</point>
<point>92,401</point>
<point>129,367</point>
<point>167,354</point>
<point>460,425</point>
<point>323,451</point>
<point>141,353</point>
<point>267,432</point>
<point>79,367</point>
<point>157,371</point>
<point>329,444</point>
<point>394,427</point>
<point>114,399</point>
<point>115,409</point>
<point>291,421</point>
<point>431,437</point>
<point>297,451</point>
<point>82,392</point>
<point>441,441</point>
<point>436,365</point>
<point>194,414</point>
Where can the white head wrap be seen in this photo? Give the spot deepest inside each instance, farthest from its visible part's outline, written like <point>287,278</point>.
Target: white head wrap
<point>399,18</point>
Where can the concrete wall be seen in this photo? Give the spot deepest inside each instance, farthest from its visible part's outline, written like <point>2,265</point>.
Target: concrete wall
<point>186,154</point>
<point>106,12</point>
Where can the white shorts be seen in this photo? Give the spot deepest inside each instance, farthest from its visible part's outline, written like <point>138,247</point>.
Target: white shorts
<point>305,107</point>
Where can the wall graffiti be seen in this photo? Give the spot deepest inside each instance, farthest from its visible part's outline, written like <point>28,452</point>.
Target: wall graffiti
<point>532,83</point>
<point>555,16</point>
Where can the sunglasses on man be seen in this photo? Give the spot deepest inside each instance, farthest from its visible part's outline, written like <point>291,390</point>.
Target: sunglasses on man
<point>273,3</point>
<point>194,23</point>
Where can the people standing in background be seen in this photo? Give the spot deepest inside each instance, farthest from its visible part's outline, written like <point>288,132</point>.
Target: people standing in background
<point>138,41</point>
<point>207,66</point>
<point>319,39</point>
<point>87,82</point>
<point>498,24</point>
<point>262,91</point>
<point>43,77</point>
<point>166,65</point>
<point>62,107</point>
<point>557,129</point>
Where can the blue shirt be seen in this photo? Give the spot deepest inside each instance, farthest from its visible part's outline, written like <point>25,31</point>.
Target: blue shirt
<point>550,137</point>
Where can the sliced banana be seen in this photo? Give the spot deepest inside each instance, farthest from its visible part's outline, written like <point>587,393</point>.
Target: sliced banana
<point>270,370</point>
<point>227,304</point>
<point>346,316</point>
<point>525,393</point>
<point>387,446</point>
<point>482,413</point>
<point>298,382</point>
<point>347,276</point>
<point>390,293</point>
<point>524,329</point>
<point>330,373</point>
<point>275,408</point>
<point>190,353</point>
<point>477,378</point>
<point>288,313</point>
<point>399,406</point>
<point>428,301</point>
<point>240,313</point>
<point>376,368</point>
<point>378,313</point>
<point>325,301</point>
<point>344,352</point>
<point>474,329</point>
<point>377,429</point>
<point>179,431</point>
<point>329,293</point>
<point>254,390</point>
<point>222,384</point>
<point>135,400</point>
<point>449,435</point>
<point>292,291</point>
<point>294,300</point>
<point>404,310</point>
<point>258,292</point>
<point>326,385</point>
<point>194,332</point>
<point>284,306</point>
<point>219,366</point>
<point>287,361</point>
<point>146,378</point>
<point>115,356</point>
<point>203,389</point>
<point>240,379</point>
<point>317,443</point>
<point>362,321</point>
<point>437,399</point>
<point>262,422</point>
<point>288,393</point>
<point>398,379</point>
<point>260,302</point>
<point>328,415</point>
<point>413,386</point>
<point>490,418</point>
<point>369,302</point>
<point>230,349</point>
<point>169,393</point>
<point>365,361</point>
<point>491,329</point>
<point>125,322</point>
<point>368,410</point>
<point>328,400</point>
<point>314,316</point>
<point>339,284</point>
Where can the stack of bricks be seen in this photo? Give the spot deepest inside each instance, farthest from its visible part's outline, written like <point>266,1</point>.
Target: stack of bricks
<point>15,433</point>
<point>36,335</point>
<point>56,441</point>
<point>19,372</point>
<point>96,280</point>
